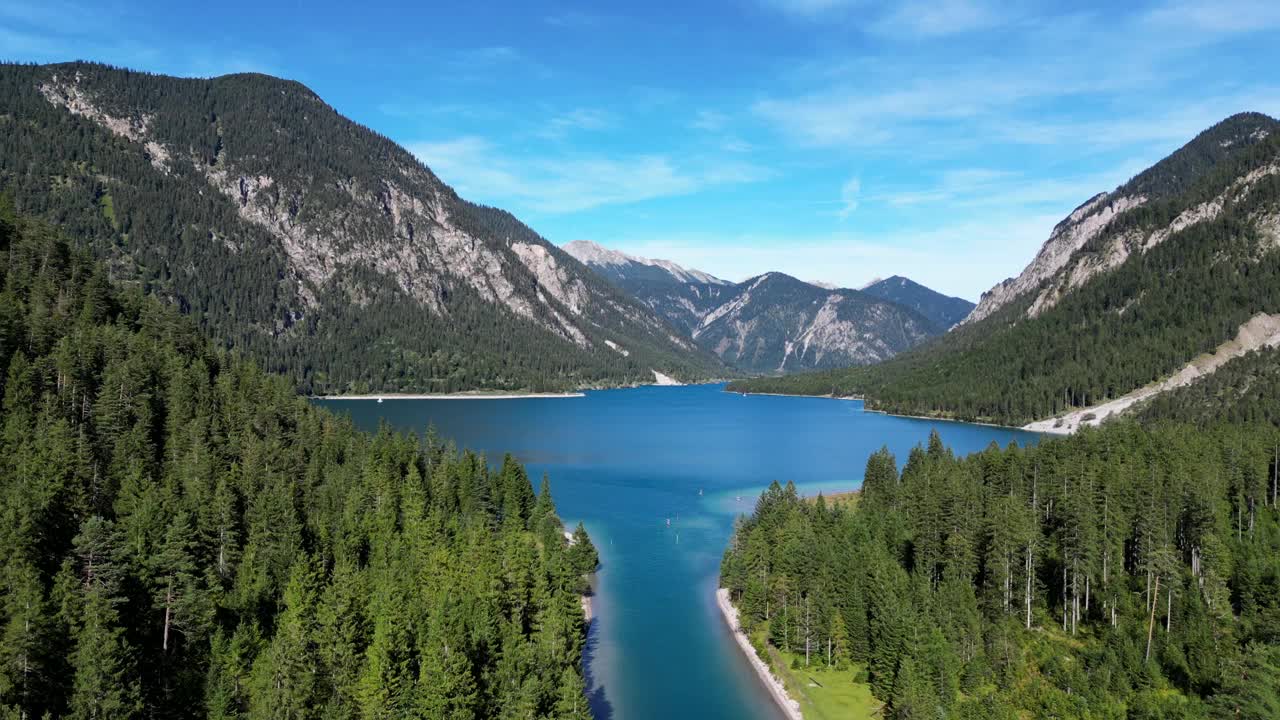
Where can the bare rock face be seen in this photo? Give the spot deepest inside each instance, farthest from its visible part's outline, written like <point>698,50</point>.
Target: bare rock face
<point>618,264</point>
<point>1069,236</point>
<point>1117,247</point>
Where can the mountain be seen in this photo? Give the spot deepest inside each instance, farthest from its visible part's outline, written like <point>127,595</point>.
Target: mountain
<point>941,310</point>
<point>773,323</point>
<point>621,268</point>
<point>317,246</point>
<point>680,296</point>
<point>1137,295</point>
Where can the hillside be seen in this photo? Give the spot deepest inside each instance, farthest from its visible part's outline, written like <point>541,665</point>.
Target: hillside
<point>315,245</point>
<point>941,310</point>
<point>185,537</point>
<point>773,323</point>
<point>1129,289</point>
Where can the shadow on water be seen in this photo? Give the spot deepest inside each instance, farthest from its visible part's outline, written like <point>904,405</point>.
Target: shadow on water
<point>597,700</point>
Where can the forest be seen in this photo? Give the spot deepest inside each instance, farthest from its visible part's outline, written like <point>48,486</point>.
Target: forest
<point>186,537</point>
<point>1128,572</point>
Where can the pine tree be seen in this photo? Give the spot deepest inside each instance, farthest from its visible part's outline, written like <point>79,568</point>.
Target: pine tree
<point>571,697</point>
<point>25,641</point>
<point>105,684</point>
<point>285,673</point>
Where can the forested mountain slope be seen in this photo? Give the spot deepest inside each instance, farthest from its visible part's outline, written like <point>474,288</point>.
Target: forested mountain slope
<point>1120,573</point>
<point>1186,255</point>
<point>185,537</point>
<point>772,323</point>
<point>941,310</point>
<point>312,243</point>
<point>1245,389</point>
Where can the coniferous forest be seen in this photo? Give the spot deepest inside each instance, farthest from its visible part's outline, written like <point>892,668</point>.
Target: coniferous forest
<point>184,536</point>
<point>1120,573</point>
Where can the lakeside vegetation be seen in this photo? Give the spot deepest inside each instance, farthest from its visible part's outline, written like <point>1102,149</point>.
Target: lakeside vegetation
<point>1124,572</point>
<point>823,691</point>
<point>186,537</point>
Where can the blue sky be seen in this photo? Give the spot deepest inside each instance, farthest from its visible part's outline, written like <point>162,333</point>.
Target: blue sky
<point>835,140</point>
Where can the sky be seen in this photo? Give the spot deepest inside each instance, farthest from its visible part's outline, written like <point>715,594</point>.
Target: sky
<point>834,140</point>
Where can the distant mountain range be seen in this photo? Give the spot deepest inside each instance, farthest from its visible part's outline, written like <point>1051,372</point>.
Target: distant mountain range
<point>775,323</point>
<point>1161,297</point>
<point>322,248</point>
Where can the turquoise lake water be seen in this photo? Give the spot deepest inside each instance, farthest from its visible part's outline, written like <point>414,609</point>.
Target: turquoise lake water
<point>624,462</point>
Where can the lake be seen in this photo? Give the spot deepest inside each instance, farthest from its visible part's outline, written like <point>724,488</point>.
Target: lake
<point>624,462</point>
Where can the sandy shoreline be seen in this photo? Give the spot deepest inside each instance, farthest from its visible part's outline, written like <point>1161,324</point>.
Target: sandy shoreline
<point>789,707</point>
<point>448,396</point>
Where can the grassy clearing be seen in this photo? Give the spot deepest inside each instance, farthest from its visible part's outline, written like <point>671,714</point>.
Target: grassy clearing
<point>848,499</point>
<point>823,693</point>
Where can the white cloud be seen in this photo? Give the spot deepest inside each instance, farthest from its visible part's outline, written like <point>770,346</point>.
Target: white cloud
<point>579,119</point>
<point>573,19</point>
<point>935,18</point>
<point>565,184</point>
<point>809,8</point>
<point>849,197</point>
<point>1240,16</point>
<point>709,120</point>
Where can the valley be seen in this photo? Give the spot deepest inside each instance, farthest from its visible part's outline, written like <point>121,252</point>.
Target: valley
<point>336,380</point>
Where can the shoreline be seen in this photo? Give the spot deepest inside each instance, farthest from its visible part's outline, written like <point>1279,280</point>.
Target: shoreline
<point>790,708</point>
<point>587,607</point>
<point>449,396</point>
<point>998,426</point>
<point>798,395</point>
<point>901,415</point>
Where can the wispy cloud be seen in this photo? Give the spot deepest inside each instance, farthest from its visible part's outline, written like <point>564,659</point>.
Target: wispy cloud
<point>709,120</point>
<point>564,184</point>
<point>849,196</point>
<point>809,8</point>
<point>574,19</point>
<point>1241,16</point>
<point>564,123</point>
<point>936,18</point>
